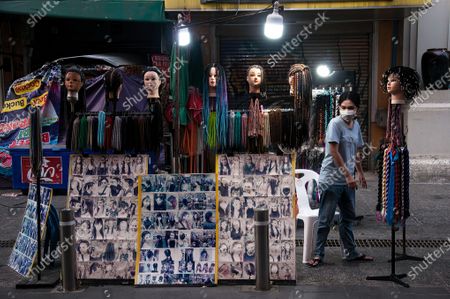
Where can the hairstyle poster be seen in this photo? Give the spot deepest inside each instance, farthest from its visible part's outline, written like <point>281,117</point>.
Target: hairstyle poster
<point>177,230</point>
<point>103,192</point>
<point>246,182</point>
<point>25,249</point>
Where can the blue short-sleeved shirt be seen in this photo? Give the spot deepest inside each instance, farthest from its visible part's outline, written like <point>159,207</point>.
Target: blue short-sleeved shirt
<point>349,141</point>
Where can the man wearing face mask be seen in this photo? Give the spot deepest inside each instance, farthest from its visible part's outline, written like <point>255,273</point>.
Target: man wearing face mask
<point>337,183</point>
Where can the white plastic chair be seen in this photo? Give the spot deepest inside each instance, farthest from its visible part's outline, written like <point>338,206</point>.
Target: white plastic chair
<point>305,213</point>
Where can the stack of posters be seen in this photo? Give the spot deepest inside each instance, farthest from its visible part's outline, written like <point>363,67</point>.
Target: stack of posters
<point>177,230</point>
<point>25,249</point>
<point>247,182</point>
<point>103,193</point>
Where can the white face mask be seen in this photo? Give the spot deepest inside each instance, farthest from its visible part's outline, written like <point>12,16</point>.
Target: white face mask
<point>346,114</point>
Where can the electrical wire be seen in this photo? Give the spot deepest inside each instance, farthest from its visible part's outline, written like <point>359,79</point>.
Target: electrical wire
<point>228,18</point>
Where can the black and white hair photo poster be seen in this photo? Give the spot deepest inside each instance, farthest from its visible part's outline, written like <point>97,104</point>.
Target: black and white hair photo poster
<point>247,182</point>
<point>177,230</point>
<point>103,192</point>
<point>25,248</point>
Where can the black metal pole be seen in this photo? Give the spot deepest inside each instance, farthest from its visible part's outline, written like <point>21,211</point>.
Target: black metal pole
<point>404,256</point>
<point>262,249</point>
<point>68,262</point>
<point>38,221</point>
<point>392,250</point>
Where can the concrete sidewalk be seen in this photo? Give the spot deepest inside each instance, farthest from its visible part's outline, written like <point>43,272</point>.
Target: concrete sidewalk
<point>334,279</point>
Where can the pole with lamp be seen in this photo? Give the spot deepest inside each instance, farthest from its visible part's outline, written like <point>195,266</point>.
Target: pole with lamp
<point>183,40</point>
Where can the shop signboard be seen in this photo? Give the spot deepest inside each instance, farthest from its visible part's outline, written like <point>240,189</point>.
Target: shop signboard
<point>37,89</point>
<point>51,173</point>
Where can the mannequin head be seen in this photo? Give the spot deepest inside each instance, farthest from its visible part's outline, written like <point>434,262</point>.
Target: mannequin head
<point>153,82</point>
<point>402,83</point>
<point>255,77</point>
<point>74,79</point>
<point>113,85</point>
<point>212,76</point>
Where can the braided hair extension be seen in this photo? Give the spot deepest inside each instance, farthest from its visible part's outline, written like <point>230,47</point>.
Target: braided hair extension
<point>302,91</point>
<point>397,189</point>
<point>391,187</point>
<point>237,130</point>
<point>117,136</point>
<point>275,126</point>
<point>89,144</point>
<point>101,129</point>
<point>221,103</point>
<point>231,129</point>
<point>385,180</point>
<point>406,179</point>
<point>82,134</point>
<point>380,177</point>
<point>75,133</point>
<point>244,131</point>
<point>402,184</point>
<point>112,82</point>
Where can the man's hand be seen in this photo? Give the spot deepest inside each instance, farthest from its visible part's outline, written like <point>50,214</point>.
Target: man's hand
<point>351,183</point>
<point>362,180</point>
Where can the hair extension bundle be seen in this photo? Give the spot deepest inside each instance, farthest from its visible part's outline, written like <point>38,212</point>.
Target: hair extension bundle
<point>117,136</point>
<point>244,131</point>
<point>75,133</point>
<point>101,129</point>
<point>237,130</point>
<point>82,136</point>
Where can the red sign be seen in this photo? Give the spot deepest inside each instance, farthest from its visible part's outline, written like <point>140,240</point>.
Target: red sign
<point>52,172</point>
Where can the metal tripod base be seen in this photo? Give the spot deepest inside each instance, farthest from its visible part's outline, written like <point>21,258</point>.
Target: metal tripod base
<point>393,277</point>
<point>406,257</point>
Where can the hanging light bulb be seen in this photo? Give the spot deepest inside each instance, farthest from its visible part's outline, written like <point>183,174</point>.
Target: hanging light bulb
<point>324,71</point>
<point>184,36</point>
<point>273,28</point>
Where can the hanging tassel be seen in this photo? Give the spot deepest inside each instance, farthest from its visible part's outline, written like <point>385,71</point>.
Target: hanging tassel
<point>266,136</point>
<point>75,133</point>
<point>90,120</point>
<point>244,131</point>
<point>212,133</point>
<point>82,137</point>
<point>101,129</point>
<point>237,130</point>
<point>231,130</point>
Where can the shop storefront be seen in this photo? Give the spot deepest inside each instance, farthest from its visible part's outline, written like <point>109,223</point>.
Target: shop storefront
<point>170,162</point>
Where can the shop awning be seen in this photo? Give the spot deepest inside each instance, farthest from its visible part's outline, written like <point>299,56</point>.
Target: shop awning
<point>119,10</point>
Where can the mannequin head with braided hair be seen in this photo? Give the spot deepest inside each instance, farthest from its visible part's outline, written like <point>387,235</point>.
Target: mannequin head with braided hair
<point>154,82</point>
<point>402,83</point>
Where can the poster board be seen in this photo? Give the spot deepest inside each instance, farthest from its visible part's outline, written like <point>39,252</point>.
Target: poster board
<point>103,192</point>
<point>177,230</point>
<point>25,248</point>
<point>246,182</point>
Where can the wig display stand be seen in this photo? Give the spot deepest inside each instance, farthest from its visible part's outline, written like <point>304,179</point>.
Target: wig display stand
<point>404,256</point>
<point>48,278</point>
<point>396,278</point>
